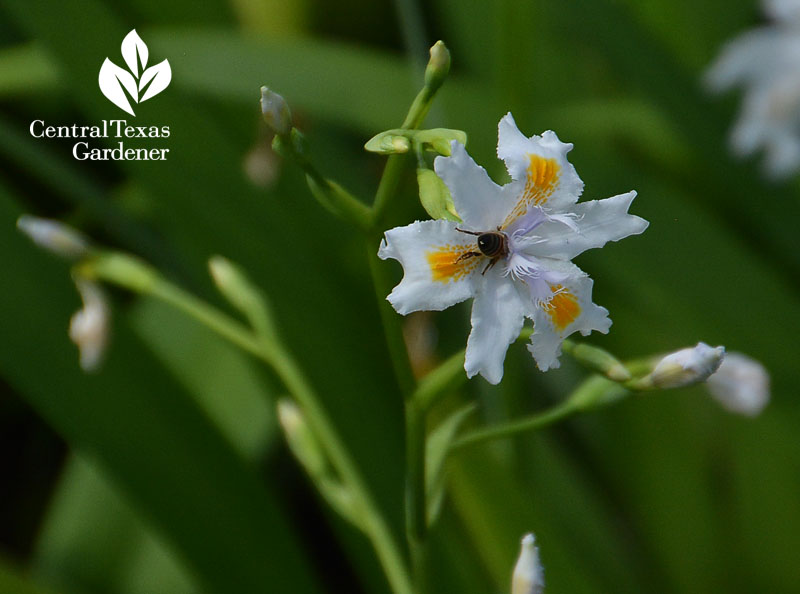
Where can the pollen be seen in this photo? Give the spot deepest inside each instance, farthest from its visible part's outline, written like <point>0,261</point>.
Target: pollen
<point>541,181</point>
<point>450,263</point>
<point>563,308</point>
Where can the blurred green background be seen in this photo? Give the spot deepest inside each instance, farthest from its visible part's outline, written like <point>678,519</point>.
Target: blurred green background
<point>164,473</point>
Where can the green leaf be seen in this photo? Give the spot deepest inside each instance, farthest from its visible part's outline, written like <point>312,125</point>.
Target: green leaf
<point>25,70</point>
<point>15,581</point>
<point>93,540</point>
<point>436,450</point>
<point>143,430</point>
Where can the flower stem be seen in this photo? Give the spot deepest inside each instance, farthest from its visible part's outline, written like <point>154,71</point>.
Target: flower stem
<point>550,416</point>
<point>392,173</point>
<point>445,378</point>
<point>392,326</point>
<point>416,502</point>
<point>147,281</point>
<point>595,392</point>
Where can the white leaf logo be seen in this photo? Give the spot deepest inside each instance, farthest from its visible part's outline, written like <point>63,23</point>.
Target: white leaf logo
<point>115,81</point>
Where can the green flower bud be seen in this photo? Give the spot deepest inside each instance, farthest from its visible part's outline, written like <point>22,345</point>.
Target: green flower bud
<point>434,196</point>
<point>300,439</point>
<point>598,360</point>
<point>438,65</point>
<point>389,142</point>
<point>234,285</point>
<point>440,139</point>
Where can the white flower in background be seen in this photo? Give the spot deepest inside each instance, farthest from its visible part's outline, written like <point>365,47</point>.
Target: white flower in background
<point>54,236</point>
<point>687,366</point>
<point>528,577</point>
<point>766,63</point>
<point>512,251</point>
<point>89,327</point>
<point>741,385</point>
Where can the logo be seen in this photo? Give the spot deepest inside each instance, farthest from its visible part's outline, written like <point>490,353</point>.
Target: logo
<point>115,81</point>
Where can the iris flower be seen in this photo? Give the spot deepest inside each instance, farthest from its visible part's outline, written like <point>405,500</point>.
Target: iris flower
<point>511,251</point>
<point>765,62</point>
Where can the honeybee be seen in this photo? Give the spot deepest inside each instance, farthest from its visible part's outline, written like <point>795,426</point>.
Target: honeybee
<point>492,244</point>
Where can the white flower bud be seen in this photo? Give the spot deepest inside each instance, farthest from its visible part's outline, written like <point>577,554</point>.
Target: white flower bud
<point>741,385</point>
<point>276,112</point>
<point>54,236</point>
<point>89,327</point>
<point>687,366</point>
<point>528,575</point>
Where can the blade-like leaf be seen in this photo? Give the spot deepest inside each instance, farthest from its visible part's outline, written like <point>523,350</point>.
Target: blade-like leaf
<point>160,74</point>
<point>146,434</point>
<point>435,455</point>
<point>133,47</point>
<point>112,79</point>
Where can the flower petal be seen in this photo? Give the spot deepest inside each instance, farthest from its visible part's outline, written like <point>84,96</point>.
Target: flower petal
<point>597,222</point>
<point>741,384</point>
<point>540,170</point>
<point>569,310</point>
<point>498,313</point>
<point>474,194</point>
<point>437,269</point>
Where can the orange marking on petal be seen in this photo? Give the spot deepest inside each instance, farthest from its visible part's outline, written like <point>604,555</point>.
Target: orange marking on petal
<point>541,182</point>
<point>563,308</point>
<point>449,263</point>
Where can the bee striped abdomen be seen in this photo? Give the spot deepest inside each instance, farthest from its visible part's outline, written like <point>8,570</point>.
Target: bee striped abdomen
<point>492,244</point>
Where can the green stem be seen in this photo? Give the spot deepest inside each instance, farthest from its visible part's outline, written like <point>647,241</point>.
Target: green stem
<point>392,325</point>
<point>393,171</point>
<point>416,502</point>
<point>557,413</point>
<point>328,193</point>
<point>445,378</point>
<point>147,281</point>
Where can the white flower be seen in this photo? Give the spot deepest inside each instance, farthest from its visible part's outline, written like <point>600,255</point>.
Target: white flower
<point>528,577</point>
<point>89,327</point>
<point>687,366</point>
<point>741,385</point>
<point>512,251</point>
<point>766,63</point>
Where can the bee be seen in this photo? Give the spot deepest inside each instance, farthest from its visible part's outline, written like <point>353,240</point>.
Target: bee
<point>492,244</point>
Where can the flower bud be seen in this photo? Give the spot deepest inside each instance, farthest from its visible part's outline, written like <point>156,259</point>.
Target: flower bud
<point>687,366</point>
<point>434,196</point>
<point>276,112</point>
<point>89,327</point>
<point>528,575</point>
<point>438,65</point>
<point>240,292</point>
<point>598,360</point>
<point>300,439</point>
<point>741,385</point>
<point>389,142</point>
<point>54,236</point>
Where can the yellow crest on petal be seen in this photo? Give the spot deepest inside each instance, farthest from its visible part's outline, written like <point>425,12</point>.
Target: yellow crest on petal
<point>563,308</point>
<point>541,181</point>
<point>449,263</point>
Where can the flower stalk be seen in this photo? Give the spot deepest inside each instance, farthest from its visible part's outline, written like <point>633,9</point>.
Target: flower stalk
<point>131,273</point>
